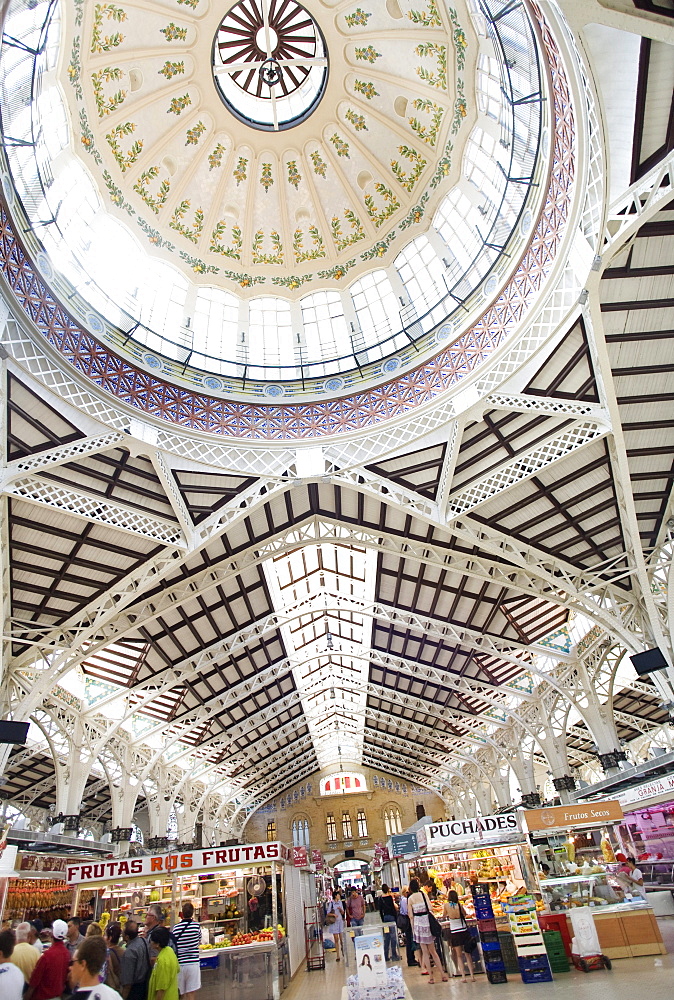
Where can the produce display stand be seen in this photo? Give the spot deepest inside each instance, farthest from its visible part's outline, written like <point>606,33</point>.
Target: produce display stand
<point>486,860</point>
<point>244,948</point>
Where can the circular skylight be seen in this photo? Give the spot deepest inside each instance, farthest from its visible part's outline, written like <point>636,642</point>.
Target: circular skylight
<point>270,63</point>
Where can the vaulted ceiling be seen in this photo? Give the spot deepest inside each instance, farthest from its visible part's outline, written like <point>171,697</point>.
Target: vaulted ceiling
<point>244,628</point>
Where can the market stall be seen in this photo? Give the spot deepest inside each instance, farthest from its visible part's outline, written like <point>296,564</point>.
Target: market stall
<point>239,896</point>
<point>35,886</point>
<point>583,848</point>
<point>485,857</point>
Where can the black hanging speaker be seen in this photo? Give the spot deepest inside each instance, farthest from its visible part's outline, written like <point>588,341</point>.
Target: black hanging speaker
<point>13,732</point>
<point>648,661</point>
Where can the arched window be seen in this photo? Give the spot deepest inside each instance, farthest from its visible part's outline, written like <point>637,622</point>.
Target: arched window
<point>330,827</point>
<point>271,830</point>
<point>300,830</point>
<point>362,823</point>
<point>346,826</point>
<point>392,820</point>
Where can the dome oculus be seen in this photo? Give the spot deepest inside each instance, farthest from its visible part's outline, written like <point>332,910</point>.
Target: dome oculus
<point>270,63</point>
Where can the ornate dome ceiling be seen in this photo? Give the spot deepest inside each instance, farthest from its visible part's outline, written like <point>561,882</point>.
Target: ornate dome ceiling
<point>238,181</point>
<point>275,192</point>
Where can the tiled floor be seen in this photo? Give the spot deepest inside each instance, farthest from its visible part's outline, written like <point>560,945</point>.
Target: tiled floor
<point>630,979</point>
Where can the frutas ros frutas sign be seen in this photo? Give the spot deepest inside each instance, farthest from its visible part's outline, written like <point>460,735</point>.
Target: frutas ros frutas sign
<point>180,863</point>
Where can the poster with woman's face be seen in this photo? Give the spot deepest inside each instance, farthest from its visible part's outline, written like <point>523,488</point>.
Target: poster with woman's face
<point>370,960</point>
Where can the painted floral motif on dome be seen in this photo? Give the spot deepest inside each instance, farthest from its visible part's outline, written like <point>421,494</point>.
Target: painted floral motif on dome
<point>116,49</point>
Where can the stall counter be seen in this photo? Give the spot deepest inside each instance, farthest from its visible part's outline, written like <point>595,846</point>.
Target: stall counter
<point>244,972</point>
<point>625,930</point>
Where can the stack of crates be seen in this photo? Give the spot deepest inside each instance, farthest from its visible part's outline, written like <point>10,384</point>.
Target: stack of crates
<point>489,939</point>
<point>554,945</point>
<point>532,957</point>
<point>509,952</point>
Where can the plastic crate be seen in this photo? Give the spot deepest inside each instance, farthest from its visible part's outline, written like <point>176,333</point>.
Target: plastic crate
<point>484,912</point>
<point>480,890</point>
<point>498,965</point>
<point>537,976</point>
<point>533,962</point>
<point>209,962</point>
<point>489,937</point>
<point>488,946</point>
<point>497,977</point>
<point>487,924</point>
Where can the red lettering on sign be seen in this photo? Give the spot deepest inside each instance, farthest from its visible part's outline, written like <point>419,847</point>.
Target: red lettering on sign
<point>185,860</point>
<point>156,865</point>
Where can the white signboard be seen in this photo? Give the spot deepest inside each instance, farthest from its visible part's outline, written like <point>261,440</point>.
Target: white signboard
<point>453,833</point>
<point>370,960</point>
<point>649,790</point>
<point>183,863</point>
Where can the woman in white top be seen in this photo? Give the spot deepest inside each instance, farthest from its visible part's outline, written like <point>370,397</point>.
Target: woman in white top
<point>459,935</point>
<point>418,911</point>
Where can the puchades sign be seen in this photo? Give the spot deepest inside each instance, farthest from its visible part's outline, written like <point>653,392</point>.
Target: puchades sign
<point>180,863</point>
<point>480,829</point>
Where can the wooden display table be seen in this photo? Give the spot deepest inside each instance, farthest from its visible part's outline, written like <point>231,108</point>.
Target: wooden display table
<point>626,933</point>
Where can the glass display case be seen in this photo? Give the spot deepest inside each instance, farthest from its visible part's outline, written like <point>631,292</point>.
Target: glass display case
<point>599,889</point>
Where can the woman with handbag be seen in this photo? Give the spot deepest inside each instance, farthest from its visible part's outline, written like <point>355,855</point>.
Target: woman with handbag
<point>460,938</point>
<point>425,929</point>
<point>334,918</point>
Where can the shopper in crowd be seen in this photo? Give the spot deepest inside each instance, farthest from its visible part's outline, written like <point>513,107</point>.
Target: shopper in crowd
<point>153,918</point>
<point>94,930</point>
<point>164,979</point>
<point>187,937</point>
<point>419,910</point>
<point>85,972</point>
<point>113,957</point>
<point>11,976</point>
<point>34,936</point>
<point>24,955</point>
<point>634,879</point>
<point>91,915</point>
<point>355,908</point>
<point>46,938</point>
<point>73,938</point>
<point>459,935</point>
<point>388,912</point>
<point>135,970</point>
<point>49,975</point>
<point>336,907</point>
<point>406,927</point>
<point>369,898</point>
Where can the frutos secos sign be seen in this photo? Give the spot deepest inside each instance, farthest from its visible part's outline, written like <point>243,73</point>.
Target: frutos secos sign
<point>480,828</point>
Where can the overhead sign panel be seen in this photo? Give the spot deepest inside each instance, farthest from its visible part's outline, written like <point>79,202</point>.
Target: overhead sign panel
<point>591,814</point>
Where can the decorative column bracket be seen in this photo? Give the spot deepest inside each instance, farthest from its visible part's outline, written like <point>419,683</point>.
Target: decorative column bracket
<point>566,783</point>
<point>532,800</point>
<point>612,759</point>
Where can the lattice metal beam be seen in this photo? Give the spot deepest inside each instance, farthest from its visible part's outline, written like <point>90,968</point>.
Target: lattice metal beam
<point>20,467</point>
<point>96,510</point>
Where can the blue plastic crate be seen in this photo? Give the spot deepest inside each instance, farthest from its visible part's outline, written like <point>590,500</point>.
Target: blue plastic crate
<point>483,908</point>
<point>209,962</point>
<point>533,962</point>
<point>495,966</point>
<point>480,890</point>
<point>497,977</point>
<point>537,976</point>
<point>489,937</point>
<point>488,946</point>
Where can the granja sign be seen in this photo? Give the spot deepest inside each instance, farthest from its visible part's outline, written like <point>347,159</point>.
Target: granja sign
<point>180,863</point>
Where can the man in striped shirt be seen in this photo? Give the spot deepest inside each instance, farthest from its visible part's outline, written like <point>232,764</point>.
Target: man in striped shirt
<point>187,937</point>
